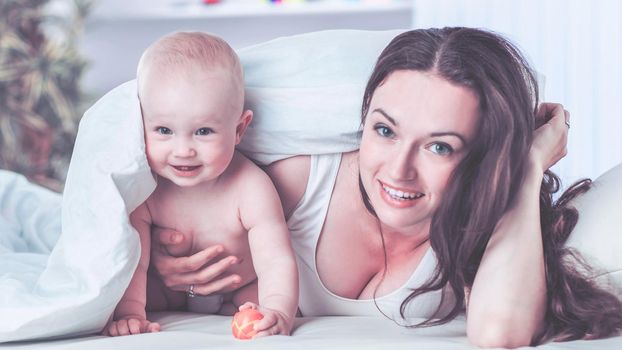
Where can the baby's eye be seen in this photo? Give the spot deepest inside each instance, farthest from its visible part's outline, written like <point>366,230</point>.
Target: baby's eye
<point>383,130</point>
<point>163,130</point>
<point>441,148</point>
<point>204,131</point>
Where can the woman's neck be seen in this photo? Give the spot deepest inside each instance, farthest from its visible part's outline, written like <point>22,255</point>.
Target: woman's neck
<point>405,241</point>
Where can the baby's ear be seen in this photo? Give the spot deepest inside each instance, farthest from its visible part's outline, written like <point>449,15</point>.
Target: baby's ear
<point>243,122</point>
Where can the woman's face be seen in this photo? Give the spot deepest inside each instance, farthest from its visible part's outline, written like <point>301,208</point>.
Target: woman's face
<point>418,128</point>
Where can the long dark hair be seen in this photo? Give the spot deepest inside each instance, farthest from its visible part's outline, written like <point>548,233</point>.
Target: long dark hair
<point>487,180</point>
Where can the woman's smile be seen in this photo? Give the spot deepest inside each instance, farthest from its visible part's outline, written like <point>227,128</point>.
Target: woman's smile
<point>400,198</point>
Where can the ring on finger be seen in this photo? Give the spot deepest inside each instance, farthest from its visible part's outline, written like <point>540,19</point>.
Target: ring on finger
<point>190,291</point>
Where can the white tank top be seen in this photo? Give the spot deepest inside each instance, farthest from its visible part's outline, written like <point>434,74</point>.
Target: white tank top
<point>305,225</point>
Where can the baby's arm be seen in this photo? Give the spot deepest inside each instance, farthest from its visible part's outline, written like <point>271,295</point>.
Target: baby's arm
<point>130,316</point>
<point>273,258</point>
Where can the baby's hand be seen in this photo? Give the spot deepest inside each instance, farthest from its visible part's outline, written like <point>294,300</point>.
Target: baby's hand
<point>131,325</point>
<point>273,322</point>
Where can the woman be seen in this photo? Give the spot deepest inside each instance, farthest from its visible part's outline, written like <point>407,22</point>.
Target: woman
<point>446,206</point>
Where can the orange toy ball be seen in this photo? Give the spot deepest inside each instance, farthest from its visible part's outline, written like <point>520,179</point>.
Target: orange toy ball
<point>243,321</point>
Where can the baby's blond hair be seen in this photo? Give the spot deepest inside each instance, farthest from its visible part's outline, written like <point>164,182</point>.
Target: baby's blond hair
<point>192,50</point>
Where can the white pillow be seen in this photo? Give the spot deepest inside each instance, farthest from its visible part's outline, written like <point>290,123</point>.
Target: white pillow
<point>597,235</point>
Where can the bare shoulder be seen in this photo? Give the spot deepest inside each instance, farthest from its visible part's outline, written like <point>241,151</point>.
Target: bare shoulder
<point>247,175</point>
<point>258,200</point>
<point>290,177</point>
<point>243,169</point>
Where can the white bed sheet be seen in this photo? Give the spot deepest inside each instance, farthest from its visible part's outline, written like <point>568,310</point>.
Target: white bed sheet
<point>185,331</point>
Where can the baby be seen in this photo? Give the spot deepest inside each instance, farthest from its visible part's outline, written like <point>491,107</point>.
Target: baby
<point>191,91</point>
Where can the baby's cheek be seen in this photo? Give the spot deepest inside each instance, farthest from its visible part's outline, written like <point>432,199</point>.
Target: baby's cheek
<point>151,147</point>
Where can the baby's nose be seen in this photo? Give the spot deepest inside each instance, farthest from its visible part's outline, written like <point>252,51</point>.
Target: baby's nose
<point>185,149</point>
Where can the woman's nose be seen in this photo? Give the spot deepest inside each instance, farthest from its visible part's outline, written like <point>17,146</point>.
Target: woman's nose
<point>403,165</point>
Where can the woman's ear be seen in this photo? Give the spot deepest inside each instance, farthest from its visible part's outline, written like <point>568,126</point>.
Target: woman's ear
<point>243,122</point>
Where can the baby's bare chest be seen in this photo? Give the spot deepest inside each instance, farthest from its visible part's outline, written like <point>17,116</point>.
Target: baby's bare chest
<point>203,220</point>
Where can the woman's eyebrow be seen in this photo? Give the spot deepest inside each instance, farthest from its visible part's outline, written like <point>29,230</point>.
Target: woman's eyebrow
<point>449,133</point>
<point>434,134</point>
<point>381,111</point>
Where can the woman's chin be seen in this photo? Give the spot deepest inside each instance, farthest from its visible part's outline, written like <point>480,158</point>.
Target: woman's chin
<point>406,222</point>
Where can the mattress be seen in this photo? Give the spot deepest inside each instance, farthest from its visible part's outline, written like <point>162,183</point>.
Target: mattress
<point>183,331</point>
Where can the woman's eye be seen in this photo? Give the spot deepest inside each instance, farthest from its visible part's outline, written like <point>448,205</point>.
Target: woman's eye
<point>204,131</point>
<point>163,130</point>
<point>384,131</point>
<point>441,148</point>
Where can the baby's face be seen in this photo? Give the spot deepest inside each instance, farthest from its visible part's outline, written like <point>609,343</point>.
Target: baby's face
<point>190,125</point>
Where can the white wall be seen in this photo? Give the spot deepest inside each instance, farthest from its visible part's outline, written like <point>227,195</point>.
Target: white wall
<point>117,32</point>
<point>577,45</point>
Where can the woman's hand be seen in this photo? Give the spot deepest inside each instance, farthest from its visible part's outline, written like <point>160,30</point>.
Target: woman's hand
<point>200,270</point>
<point>551,136</point>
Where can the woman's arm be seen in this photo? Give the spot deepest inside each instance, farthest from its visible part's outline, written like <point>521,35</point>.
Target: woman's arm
<point>290,178</point>
<point>507,302</point>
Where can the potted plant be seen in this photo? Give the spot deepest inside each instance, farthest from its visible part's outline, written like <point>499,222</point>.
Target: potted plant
<point>40,97</point>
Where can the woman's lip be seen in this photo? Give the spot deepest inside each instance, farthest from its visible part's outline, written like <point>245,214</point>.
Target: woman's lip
<point>407,190</point>
<point>394,202</point>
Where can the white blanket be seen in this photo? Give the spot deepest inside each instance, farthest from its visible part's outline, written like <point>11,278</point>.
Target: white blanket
<point>306,92</point>
<point>86,274</point>
<point>29,227</point>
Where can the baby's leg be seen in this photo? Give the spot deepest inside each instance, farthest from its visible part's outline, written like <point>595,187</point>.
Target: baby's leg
<point>239,297</point>
<point>162,298</point>
<point>205,304</point>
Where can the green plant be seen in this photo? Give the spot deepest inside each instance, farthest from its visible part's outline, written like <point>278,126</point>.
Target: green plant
<point>40,96</point>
